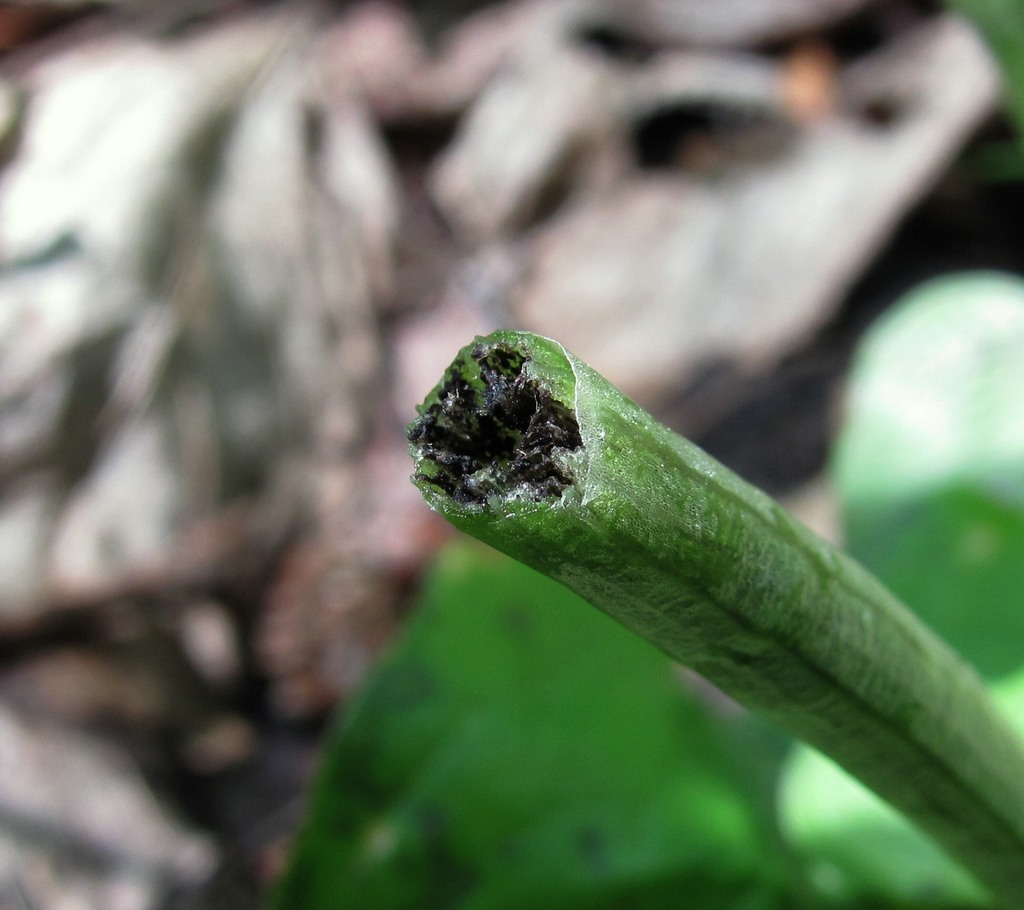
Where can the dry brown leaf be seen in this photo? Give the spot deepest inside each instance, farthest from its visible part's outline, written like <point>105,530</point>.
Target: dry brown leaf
<point>534,123</point>
<point>79,826</point>
<point>671,270</point>
<point>719,23</point>
<point>193,235</point>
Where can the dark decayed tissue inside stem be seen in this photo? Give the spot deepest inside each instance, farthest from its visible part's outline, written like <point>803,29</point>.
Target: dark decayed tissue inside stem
<point>493,430</point>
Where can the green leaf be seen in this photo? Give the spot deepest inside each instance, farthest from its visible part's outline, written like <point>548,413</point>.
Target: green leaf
<point>1009,694</point>
<point>519,749</point>
<point>856,845</point>
<point>930,462</point>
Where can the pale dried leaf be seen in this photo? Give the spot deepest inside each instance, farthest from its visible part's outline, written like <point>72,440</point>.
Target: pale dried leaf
<point>374,51</point>
<point>192,233</point>
<point>26,514</point>
<point>79,827</point>
<point>721,23</point>
<point>670,271</point>
<point>78,686</point>
<point>534,121</point>
<point>124,517</point>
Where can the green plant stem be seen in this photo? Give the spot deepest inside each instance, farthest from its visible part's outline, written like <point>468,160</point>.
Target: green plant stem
<point>528,449</point>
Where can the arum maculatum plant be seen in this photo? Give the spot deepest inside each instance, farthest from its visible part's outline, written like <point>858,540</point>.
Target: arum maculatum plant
<point>528,449</point>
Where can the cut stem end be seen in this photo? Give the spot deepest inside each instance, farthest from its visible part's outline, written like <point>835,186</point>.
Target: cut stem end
<point>491,429</point>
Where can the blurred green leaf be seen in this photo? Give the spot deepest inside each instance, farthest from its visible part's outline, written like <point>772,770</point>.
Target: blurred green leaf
<point>997,161</point>
<point>856,845</point>
<point>930,462</point>
<point>519,749</point>
<point>1009,695</point>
